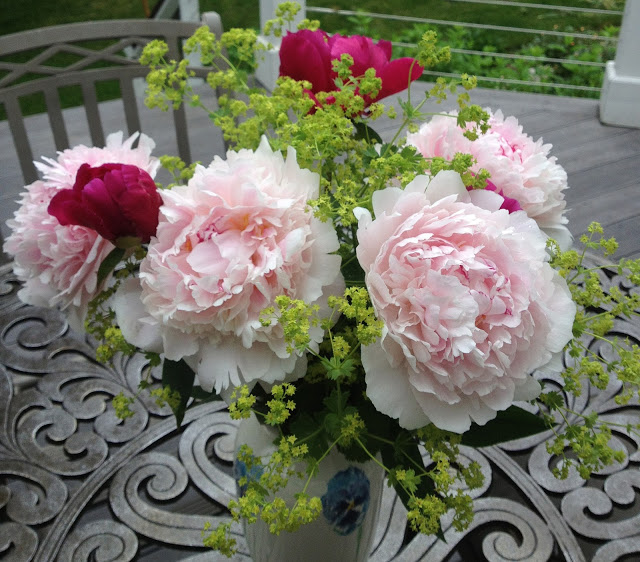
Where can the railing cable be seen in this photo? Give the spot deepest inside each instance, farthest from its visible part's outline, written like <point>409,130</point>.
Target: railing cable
<point>515,81</point>
<point>510,56</point>
<point>549,7</point>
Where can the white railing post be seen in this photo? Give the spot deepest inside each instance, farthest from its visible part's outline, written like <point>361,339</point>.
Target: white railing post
<point>620,97</point>
<point>189,10</point>
<point>269,67</point>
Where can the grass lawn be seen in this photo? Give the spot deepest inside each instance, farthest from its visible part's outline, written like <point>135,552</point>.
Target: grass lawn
<point>30,14</point>
<point>244,13</point>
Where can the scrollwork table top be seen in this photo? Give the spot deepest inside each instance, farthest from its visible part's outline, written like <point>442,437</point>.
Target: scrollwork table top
<point>78,484</point>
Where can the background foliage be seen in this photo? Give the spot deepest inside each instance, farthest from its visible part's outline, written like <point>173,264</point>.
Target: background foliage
<point>244,13</point>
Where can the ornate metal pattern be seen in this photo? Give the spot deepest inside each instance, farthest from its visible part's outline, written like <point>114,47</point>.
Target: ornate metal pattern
<point>76,484</point>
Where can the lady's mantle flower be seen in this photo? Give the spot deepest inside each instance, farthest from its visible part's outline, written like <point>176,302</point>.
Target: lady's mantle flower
<point>346,502</point>
<point>470,305</point>
<point>308,55</point>
<point>228,243</point>
<point>58,264</point>
<point>520,167</point>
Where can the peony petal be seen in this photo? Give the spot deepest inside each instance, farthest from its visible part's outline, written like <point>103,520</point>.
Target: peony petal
<point>388,390</point>
<point>397,76</point>
<point>305,55</point>
<point>138,328</point>
<point>445,184</point>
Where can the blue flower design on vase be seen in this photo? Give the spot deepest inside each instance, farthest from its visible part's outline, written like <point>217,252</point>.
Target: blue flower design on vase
<point>345,504</point>
<point>251,473</point>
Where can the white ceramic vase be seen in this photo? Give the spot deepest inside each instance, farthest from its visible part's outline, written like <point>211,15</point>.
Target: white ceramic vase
<point>350,494</point>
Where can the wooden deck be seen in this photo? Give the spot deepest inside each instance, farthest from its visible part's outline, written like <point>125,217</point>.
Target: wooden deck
<point>112,490</point>
<point>602,162</point>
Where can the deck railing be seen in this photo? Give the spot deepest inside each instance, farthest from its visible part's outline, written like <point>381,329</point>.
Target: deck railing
<point>549,86</point>
<point>621,79</point>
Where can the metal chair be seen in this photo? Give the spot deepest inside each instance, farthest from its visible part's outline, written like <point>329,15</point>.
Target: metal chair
<point>103,51</point>
<point>92,66</point>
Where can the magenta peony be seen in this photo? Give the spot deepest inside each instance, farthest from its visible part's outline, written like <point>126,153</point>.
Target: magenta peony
<point>520,167</point>
<point>470,305</point>
<point>58,264</point>
<point>307,55</point>
<point>115,200</point>
<point>237,236</point>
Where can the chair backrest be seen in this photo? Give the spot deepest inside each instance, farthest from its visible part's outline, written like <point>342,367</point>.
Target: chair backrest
<point>89,66</point>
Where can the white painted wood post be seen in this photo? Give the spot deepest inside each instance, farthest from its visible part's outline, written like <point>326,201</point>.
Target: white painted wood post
<point>189,10</point>
<point>620,96</point>
<point>269,67</point>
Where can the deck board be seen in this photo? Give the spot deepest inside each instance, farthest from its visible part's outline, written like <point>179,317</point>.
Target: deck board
<point>602,162</point>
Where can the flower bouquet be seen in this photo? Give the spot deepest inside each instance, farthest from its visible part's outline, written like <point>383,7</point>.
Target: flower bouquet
<point>381,300</point>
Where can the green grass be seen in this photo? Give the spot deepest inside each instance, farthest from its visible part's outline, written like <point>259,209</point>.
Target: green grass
<point>243,13</point>
<point>38,13</point>
<point>531,18</point>
<point>31,14</point>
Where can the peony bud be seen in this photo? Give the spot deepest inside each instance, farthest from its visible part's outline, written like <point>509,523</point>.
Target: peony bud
<point>115,200</point>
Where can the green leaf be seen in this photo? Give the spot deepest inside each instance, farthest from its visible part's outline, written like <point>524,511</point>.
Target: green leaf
<point>336,368</point>
<point>178,376</point>
<point>336,401</point>
<point>109,263</point>
<point>203,396</point>
<point>513,423</point>
<point>332,425</point>
<point>364,132</point>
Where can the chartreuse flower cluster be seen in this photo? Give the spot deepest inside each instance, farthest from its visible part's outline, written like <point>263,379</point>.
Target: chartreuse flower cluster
<point>332,136</point>
<point>430,491</point>
<point>322,135</point>
<point>584,434</point>
<point>307,435</point>
<point>285,13</point>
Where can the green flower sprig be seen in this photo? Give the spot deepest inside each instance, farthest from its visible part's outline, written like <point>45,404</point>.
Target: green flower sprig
<point>585,434</point>
<point>285,14</point>
<point>323,137</point>
<point>334,138</point>
<point>100,321</point>
<point>444,479</point>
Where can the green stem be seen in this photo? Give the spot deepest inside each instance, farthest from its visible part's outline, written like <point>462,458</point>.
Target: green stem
<point>348,261</point>
<point>379,463</point>
<point>406,121</point>
<point>316,464</point>
<point>316,432</point>
<point>389,442</point>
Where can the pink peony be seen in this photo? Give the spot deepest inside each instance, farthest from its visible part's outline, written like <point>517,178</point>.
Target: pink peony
<point>61,173</point>
<point>237,236</point>
<point>115,200</point>
<point>58,264</point>
<point>520,167</point>
<point>308,55</point>
<point>470,305</point>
